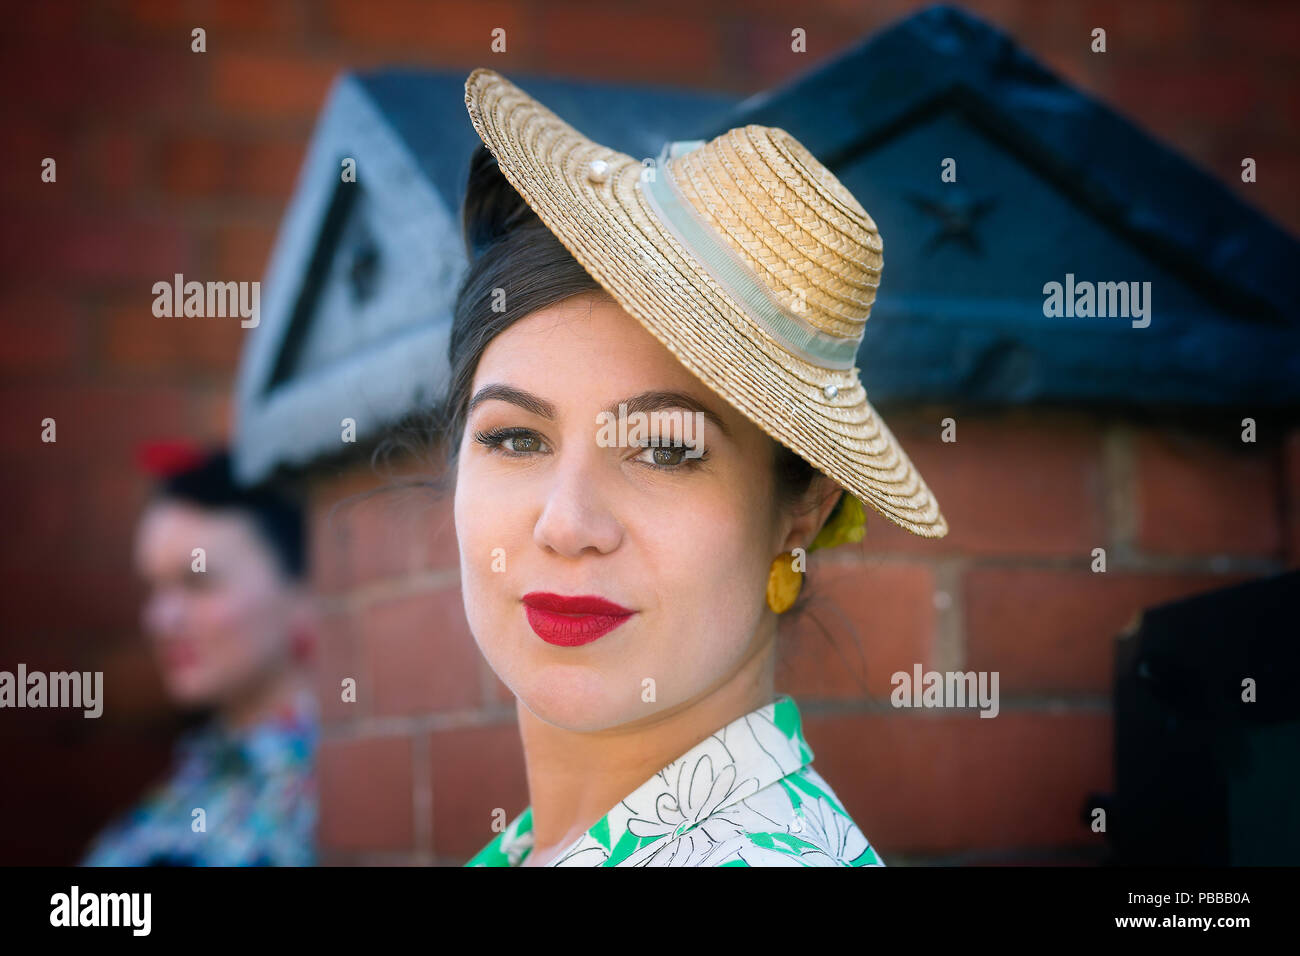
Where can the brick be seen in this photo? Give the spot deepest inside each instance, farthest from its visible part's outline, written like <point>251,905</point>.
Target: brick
<point>398,530</point>
<point>1153,27</point>
<point>195,166</point>
<point>71,651</point>
<point>419,654</point>
<point>244,248</point>
<point>1046,26</point>
<point>41,524</point>
<point>43,333</point>
<point>112,162</point>
<point>211,166</point>
<point>134,693</point>
<point>1197,496</point>
<point>869,17</point>
<point>366,794</point>
<point>48,21</point>
<point>136,340</point>
<point>270,85</point>
<point>31,140</point>
<point>434,515</point>
<point>928,782</point>
<point>680,45</point>
<point>338,656</point>
<point>108,501</point>
<point>381,542</point>
<point>1157,94</point>
<point>55,600</point>
<point>1048,631</point>
<point>215,414</point>
<point>879,619</point>
<point>1255,32</point>
<point>439,29</point>
<point>93,422</point>
<point>328,558</point>
<point>476,770</point>
<point>765,43</point>
<point>331,496</point>
<point>61,814</point>
<point>159,15</point>
<point>98,248</point>
<point>255,18</point>
<point>127,79</point>
<point>1017,484</point>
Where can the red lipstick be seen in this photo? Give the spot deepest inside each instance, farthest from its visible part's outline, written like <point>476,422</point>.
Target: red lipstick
<point>179,654</point>
<point>572,621</point>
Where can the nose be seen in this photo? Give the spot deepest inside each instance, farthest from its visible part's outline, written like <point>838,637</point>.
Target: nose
<point>575,516</point>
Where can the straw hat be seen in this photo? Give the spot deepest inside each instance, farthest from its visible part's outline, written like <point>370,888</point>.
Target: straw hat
<point>744,256</point>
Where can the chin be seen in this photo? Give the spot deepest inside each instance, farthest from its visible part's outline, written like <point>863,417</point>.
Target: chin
<point>580,698</point>
<point>188,692</point>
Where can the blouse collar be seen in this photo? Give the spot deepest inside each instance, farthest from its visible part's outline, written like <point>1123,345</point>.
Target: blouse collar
<point>282,740</point>
<point>748,754</point>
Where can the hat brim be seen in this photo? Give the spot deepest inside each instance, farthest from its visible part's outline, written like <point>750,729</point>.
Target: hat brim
<point>611,231</point>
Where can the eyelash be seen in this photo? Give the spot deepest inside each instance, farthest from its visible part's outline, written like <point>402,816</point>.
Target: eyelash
<point>493,438</point>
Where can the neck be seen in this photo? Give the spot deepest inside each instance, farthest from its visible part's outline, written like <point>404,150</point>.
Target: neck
<point>575,778</point>
<point>286,689</point>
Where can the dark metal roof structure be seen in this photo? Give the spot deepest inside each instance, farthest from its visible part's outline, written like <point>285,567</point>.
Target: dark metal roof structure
<point>1050,187</point>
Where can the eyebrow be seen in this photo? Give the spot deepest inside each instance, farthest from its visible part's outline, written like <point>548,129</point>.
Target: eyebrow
<point>652,401</point>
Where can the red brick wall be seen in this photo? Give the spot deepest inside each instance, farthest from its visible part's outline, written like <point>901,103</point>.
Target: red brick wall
<point>170,161</point>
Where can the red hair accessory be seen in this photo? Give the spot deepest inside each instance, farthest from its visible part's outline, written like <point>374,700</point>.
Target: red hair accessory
<point>162,459</point>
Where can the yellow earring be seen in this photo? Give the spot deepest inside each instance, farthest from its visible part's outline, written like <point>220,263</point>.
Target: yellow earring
<point>783,583</point>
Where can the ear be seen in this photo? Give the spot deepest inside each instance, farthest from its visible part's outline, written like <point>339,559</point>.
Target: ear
<point>304,624</point>
<point>823,494</point>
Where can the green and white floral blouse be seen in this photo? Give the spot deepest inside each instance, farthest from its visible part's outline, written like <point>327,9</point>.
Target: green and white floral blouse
<point>746,796</point>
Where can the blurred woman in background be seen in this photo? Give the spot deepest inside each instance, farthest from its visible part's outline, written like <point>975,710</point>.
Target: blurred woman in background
<point>231,622</point>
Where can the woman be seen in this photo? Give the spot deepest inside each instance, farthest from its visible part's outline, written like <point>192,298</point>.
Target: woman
<point>231,623</point>
<point>625,582</point>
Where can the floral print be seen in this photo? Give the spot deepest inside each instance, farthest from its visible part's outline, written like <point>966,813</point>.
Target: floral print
<point>745,796</point>
<point>257,789</point>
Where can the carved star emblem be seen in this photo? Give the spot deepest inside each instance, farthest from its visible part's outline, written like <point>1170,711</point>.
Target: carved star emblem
<point>957,214</point>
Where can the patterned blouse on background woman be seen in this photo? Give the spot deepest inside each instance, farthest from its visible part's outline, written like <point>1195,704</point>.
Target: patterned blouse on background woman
<point>257,791</point>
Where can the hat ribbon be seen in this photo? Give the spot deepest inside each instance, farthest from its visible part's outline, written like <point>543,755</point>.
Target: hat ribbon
<point>725,266</point>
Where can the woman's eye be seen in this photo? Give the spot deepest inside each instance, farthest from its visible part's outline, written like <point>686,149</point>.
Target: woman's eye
<point>520,443</point>
<point>516,442</point>
<point>525,443</point>
<point>668,456</point>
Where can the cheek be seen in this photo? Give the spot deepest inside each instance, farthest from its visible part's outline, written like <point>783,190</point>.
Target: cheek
<point>710,602</point>
<point>491,540</point>
<point>239,629</point>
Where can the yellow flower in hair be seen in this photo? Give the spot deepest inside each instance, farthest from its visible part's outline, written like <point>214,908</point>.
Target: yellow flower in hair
<point>846,524</point>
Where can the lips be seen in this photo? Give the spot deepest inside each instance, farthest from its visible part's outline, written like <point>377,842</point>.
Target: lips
<point>572,621</point>
<point>179,654</point>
